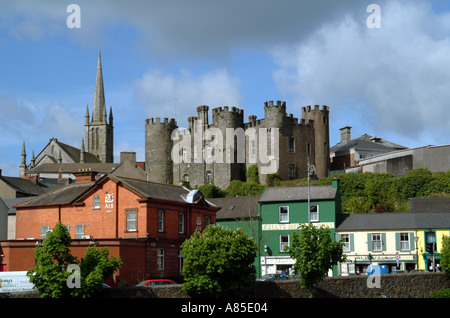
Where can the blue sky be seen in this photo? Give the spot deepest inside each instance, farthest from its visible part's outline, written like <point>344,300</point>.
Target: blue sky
<point>165,58</point>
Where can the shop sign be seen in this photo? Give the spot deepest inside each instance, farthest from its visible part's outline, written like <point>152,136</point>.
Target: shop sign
<point>293,226</point>
<point>109,201</point>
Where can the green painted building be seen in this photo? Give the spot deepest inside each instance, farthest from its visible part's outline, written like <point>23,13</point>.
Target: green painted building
<point>282,209</point>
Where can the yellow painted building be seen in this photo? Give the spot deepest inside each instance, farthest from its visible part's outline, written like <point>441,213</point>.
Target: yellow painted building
<point>430,235</point>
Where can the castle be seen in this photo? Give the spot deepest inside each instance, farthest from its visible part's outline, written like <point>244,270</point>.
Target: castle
<point>232,145</point>
<point>216,152</point>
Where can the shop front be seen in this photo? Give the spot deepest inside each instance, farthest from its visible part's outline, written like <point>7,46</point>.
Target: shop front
<point>357,264</point>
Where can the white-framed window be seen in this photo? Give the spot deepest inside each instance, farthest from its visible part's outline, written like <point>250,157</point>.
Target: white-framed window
<point>376,242</point>
<point>160,220</point>
<point>180,262</point>
<point>79,231</point>
<point>44,230</point>
<point>96,202</point>
<point>283,214</point>
<point>181,223</point>
<point>313,213</point>
<point>131,220</point>
<point>284,242</point>
<point>160,259</point>
<point>405,245</point>
<point>345,238</point>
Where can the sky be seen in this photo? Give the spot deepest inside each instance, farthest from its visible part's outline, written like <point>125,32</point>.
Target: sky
<point>383,71</point>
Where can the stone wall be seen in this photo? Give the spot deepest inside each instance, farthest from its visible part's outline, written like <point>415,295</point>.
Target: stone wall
<point>391,286</point>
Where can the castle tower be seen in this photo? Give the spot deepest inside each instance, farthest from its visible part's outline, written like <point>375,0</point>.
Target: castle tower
<point>274,115</point>
<point>99,134</point>
<point>158,149</point>
<point>321,137</point>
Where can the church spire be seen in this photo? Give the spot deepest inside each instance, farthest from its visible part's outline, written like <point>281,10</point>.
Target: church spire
<point>99,96</point>
<point>23,162</point>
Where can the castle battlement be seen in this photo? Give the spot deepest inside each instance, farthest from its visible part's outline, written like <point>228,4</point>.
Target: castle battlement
<point>316,108</point>
<point>227,109</point>
<point>157,120</point>
<point>279,103</point>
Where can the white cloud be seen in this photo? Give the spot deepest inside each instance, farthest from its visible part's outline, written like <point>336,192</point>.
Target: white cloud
<point>394,79</point>
<point>177,96</point>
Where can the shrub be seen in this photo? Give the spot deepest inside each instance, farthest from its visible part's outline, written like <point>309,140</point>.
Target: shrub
<point>442,293</point>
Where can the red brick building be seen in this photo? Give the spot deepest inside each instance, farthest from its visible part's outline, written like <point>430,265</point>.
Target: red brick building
<point>143,222</point>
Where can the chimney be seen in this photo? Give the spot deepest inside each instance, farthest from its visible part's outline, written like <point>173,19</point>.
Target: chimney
<point>130,156</point>
<point>85,176</point>
<point>345,134</point>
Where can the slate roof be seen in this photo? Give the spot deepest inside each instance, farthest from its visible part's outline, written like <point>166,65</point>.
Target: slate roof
<point>11,202</point>
<point>272,194</point>
<point>236,207</point>
<point>60,196</point>
<point>393,221</point>
<point>24,186</point>
<point>75,167</point>
<point>150,189</point>
<point>364,142</point>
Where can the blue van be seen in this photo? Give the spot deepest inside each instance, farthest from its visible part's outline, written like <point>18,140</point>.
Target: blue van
<point>376,269</point>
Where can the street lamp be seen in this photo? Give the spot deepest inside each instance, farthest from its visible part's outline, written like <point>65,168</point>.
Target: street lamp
<point>416,239</point>
<point>311,173</point>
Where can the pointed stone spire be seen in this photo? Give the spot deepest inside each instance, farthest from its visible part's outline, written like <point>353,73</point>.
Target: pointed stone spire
<point>87,115</point>
<point>82,151</point>
<point>99,96</point>
<point>33,160</point>
<point>110,116</point>
<point>23,162</point>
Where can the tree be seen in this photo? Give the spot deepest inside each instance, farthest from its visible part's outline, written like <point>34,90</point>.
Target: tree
<point>252,174</point>
<point>55,267</point>
<point>445,254</point>
<point>315,252</point>
<point>218,262</point>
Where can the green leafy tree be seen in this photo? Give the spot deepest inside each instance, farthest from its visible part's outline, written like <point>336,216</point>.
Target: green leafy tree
<point>315,252</point>
<point>445,254</point>
<point>218,262</point>
<point>211,191</point>
<point>252,174</point>
<point>54,272</point>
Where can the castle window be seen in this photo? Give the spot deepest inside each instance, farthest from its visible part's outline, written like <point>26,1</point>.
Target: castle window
<point>308,148</point>
<point>325,148</point>
<point>292,174</point>
<point>186,177</point>
<point>291,144</point>
<point>324,120</point>
<point>253,147</point>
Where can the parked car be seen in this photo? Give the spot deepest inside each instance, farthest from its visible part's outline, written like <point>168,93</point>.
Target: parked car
<point>397,271</point>
<point>412,271</point>
<point>272,277</point>
<point>155,282</point>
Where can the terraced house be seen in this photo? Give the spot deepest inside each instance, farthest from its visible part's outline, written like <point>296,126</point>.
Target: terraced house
<point>282,209</point>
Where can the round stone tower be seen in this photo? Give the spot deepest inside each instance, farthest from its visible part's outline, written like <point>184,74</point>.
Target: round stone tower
<point>321,137</point>
<point>158,149</point>
<point>274,115</point>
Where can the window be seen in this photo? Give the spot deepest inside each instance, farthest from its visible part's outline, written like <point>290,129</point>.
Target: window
<point>207,221</point>
<point>160,259</point>
<point>96,202</point>
<point>79,231</point>
<point>325,148</point>
<point>131,221</point>
<point>180,262</point>
<point>346,240</point>
<point>44,230</point>
<point>253,147</point>
<point>284,242</point>
<point>181,223</point>
<point>160,221</point>
<point>291,144</point>
<point>308,148</point>
<point>186,177</point>
<point>376,242</point>
<point>284,214</point>
<point>292,174</point>
<point>404,242</point>
<point>313,213</point>
<point>208,177</point>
